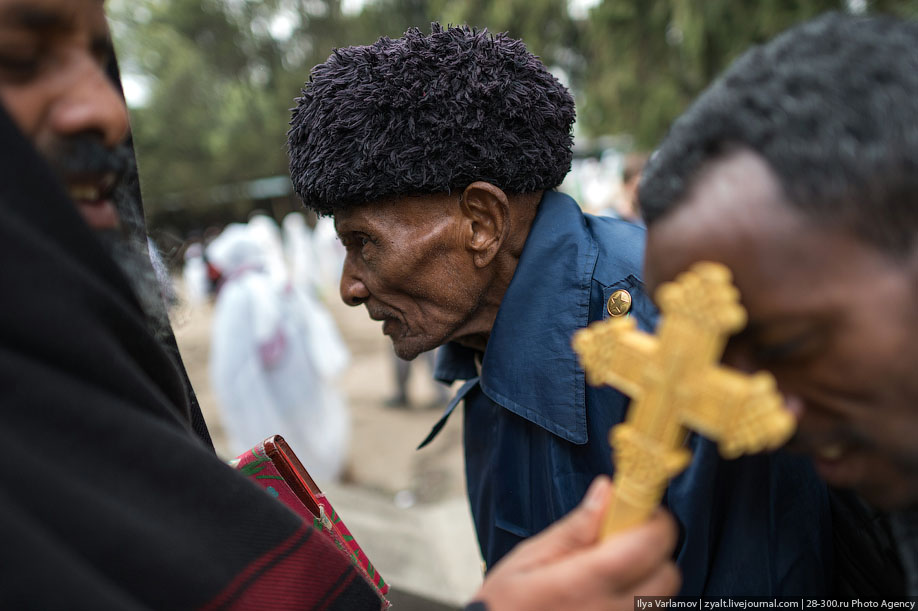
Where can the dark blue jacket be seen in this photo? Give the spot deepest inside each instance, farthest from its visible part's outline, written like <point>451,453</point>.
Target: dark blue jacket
<point>536,435</point>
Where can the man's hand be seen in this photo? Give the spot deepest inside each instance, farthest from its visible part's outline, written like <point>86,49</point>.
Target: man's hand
<point>565,567</point>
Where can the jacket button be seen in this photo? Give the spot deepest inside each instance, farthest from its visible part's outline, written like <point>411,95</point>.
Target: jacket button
<point>619,303</point>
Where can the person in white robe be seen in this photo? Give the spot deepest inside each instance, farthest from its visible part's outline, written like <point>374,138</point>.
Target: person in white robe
<point>194,275</point>
<point>265,231</point>
<point>273,360</point>
<point>331,255</point>
<point>300,253</point>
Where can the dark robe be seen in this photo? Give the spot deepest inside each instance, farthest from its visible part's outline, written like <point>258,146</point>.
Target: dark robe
<point>109,498</point>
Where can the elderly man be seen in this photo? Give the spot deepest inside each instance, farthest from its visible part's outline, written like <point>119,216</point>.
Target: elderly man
<point>438,156</point>
<point>798,169</point>
<point>110,494</point>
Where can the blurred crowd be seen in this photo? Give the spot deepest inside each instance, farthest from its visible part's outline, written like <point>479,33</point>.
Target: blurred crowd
<point>275,351</point>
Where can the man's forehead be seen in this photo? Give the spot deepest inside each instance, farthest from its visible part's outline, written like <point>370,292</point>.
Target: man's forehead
<point>784,262</point>
<point>393,211</point>
<point>734,206</point>
<point>361,218</point>
<point>347,219</point>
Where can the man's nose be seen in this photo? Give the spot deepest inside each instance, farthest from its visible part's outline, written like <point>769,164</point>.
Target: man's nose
<point>91,104</point>
<point>353,291</point>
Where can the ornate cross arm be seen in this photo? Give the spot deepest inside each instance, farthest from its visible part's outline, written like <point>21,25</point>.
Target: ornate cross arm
<point>759,421</point>
<point>677,384</point>
<point>627,354</point>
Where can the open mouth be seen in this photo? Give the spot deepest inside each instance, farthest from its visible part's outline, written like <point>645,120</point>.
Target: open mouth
<point>92,194</point>
<point>840,464</point>
<point>832,451</point>
<point>836,457</point>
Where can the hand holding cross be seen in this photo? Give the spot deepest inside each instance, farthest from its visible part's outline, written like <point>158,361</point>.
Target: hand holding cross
<point>676,383</point>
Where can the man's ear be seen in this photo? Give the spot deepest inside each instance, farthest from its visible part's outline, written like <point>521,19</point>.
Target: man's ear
<point>486,211</point>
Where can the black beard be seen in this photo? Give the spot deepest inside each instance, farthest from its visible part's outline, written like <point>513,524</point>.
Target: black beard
<point>87,154</point>
<point>129,248</point>
<point>132,257</point>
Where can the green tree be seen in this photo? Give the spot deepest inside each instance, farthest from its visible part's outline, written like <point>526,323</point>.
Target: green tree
<point>544,25</point>
<point>223,74</point>
<point>648,59</point>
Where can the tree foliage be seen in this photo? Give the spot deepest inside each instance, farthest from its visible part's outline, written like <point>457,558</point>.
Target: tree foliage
<point>222,74</point>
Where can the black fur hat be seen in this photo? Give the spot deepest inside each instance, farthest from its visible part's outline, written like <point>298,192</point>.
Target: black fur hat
<point>428,114</point>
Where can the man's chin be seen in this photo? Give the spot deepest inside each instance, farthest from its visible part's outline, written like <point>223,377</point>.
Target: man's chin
<point>888,494</point>
<point>410,348</point>
<point>406,354</point>
<point>886,500</point>
<point>100,215</point>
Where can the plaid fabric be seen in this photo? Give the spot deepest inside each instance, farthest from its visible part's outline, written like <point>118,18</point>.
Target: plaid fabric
<point>259,468</point>
<point>306,571</point>
<point>339,530</point>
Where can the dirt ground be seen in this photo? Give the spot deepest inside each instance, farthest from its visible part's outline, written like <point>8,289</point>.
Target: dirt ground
<point>382,454</point>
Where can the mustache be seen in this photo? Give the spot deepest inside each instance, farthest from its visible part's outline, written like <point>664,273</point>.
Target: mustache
<point>87,154</point>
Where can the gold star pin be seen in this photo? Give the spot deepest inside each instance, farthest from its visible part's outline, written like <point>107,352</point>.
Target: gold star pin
<point>619,303</point>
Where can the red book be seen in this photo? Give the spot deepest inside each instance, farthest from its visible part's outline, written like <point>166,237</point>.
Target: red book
<point>274,466</point>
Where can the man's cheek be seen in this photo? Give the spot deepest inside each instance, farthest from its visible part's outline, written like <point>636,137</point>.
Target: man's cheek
<point>813,425</point>
<point>25,111</point>
<point>890,485</point>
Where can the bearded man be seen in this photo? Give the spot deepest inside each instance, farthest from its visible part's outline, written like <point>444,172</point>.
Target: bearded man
<point>438,156</point>
<point>798,169</point>
<point>110,494</point>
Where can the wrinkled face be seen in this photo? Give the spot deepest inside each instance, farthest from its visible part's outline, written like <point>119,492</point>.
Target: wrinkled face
<point>831,316</point>
<point>53,56</point>
<point>406,262</point>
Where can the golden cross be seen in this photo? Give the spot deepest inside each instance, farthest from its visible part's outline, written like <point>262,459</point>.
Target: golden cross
<point>676,383</point>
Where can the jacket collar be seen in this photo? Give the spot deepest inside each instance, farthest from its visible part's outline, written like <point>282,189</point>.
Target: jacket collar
<point>529,367</point>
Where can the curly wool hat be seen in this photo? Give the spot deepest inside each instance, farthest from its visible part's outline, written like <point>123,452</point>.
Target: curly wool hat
<point>428,114</point>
